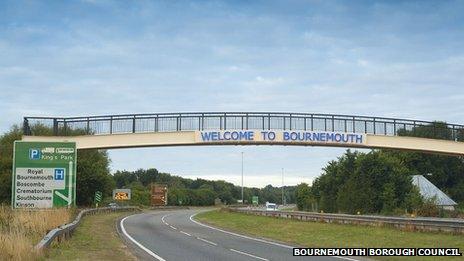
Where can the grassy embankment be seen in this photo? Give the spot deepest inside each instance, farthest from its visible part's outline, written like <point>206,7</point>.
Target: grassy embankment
<point>314,234</point>
<point>95,239</point>
<point>20,230</point>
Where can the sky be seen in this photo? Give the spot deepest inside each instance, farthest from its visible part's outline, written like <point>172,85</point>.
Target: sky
<point>401,59</point>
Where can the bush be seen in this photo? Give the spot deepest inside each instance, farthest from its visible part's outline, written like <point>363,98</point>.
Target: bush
<point>371,182</point>
<point>413,201</point>
<point>429,208</point>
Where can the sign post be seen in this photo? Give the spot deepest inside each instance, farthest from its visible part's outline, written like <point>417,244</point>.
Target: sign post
<point>44,174</point>
<point>254,200</point>
<point>98,198</point>
<point>159,195</point>
<point>121,194</point>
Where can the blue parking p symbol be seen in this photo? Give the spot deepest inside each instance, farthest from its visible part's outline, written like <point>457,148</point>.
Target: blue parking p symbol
<point>34,154</point>
<point>59,174</point>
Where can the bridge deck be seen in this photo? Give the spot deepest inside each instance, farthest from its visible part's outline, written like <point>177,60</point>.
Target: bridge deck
<point>184,129</point>
<point>169,122</point>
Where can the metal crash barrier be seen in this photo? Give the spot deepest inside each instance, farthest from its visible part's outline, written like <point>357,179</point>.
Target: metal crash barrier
<point>66,230</point>
<point>414,224</point>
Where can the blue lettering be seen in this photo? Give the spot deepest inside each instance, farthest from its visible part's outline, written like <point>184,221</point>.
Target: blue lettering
<point>345,138</point>
<point>271,135</point>
<point>351,138</point>
<point>220,136</point>
<point>329,136</point>
<point>268,135</point>
<point>251,135</point>
<point>308,136</point>
<point>286,135</point>
<point>316,136</point>
<point>293,135</point>
<point>264,136</point>
<point>206,136</point>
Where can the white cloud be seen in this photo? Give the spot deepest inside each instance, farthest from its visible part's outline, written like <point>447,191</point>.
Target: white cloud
<point>381,59</point>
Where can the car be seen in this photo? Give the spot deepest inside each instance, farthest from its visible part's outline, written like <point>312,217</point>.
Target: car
<point>271,206</point>
<point>113,205</point>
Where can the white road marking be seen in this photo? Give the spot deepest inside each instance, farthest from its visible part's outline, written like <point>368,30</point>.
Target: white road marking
<point>238,235</point>
<point>255,239</point>
<point>250,255</point>
<point>151,253</point>
<point>173,227</point>
<point>185,233</point>
<point>164,221</point>
<point>207,241</point>
<point>345,258</point>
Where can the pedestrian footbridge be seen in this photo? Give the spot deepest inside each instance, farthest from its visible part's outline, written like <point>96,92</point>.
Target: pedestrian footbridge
<point>247,128</point>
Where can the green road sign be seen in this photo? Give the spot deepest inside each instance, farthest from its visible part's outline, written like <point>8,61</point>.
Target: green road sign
<point>98,196</point>
<point>254,200</point>
<point>44,174</point>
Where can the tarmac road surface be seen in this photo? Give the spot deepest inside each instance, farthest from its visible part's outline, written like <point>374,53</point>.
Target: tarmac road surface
<point>175,235</point>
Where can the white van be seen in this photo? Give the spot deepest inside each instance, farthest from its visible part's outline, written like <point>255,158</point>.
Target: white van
<point>271,206</point>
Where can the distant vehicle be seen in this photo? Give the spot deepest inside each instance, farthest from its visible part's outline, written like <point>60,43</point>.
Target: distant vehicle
<point>271,206</point>
<point>113,205</point>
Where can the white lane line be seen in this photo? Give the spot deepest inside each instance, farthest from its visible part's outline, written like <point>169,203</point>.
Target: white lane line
<point>346,258</point>
<point>173,227</point>
<point>238,235</point>
<point>164,221</point>
<point>185,233</point>
<point>250,255</point>
<point>151,253</point>
<point>255,239</point>
<point>207,241</point>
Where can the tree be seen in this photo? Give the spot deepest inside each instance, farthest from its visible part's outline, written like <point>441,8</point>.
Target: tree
<point>198,192</point>
<point>365,182</point>
<point>139,194</point>
<point>178,197</point>
<point>435,130</point>
<point>389,198</point>
<point>270,194</point>
<point>6,162</point>
<point>446,172</point>
<point>413,201</point>
<point>92,175</point>
<point>335,174</point>
<point>203,197</point>
<point>123,178</point>
<point>303,197</point>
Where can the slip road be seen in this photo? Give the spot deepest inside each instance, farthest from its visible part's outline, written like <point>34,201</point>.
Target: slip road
<point>175,235</point>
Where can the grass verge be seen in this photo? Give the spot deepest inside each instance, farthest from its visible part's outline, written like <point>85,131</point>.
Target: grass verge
<point>21,229</point>
<point>95,239</point>
<point>314,234</point>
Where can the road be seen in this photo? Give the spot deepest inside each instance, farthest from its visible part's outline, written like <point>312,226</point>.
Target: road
<point>175,235</point>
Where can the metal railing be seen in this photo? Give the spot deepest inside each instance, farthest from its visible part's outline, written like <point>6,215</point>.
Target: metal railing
<point>66,230</point>
<point>420,223</point>
<point>191,121</point>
